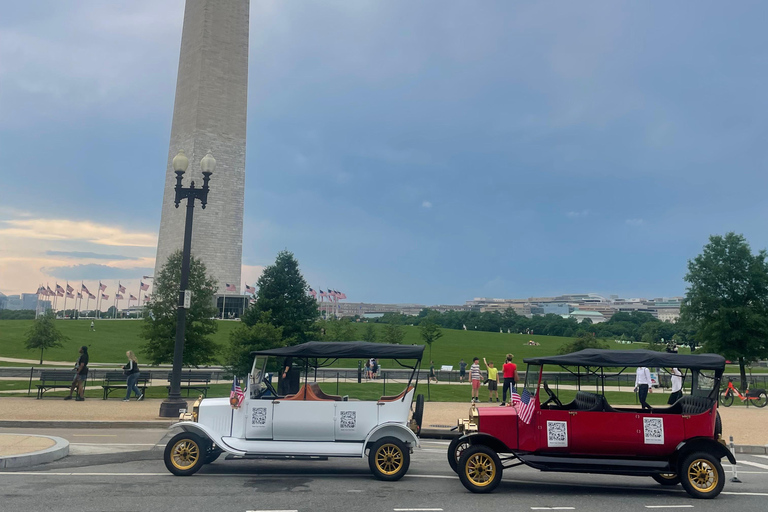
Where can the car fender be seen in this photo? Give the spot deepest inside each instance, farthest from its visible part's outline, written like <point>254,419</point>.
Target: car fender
<point>705,444</point>
<point>397,430</point>
<point>490,441</point>
<point>197,428</point>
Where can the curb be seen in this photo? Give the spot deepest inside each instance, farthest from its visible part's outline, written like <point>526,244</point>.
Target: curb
<point>25,460</point>
<point>163,424</point>
<point>751,450</point>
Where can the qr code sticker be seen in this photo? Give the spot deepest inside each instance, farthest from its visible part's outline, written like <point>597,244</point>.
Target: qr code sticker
<point>653,430</point>
<point>258,416</point>
<point>557,434</point>
<point>348,420</point>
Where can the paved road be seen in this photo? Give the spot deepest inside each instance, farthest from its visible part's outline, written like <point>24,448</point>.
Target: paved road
<point>119,470</point>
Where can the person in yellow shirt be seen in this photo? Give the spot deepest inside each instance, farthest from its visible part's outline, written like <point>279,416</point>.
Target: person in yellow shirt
<point>493,380</point>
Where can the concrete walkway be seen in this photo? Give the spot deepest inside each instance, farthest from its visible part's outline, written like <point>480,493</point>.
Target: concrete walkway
<point>24,450</point>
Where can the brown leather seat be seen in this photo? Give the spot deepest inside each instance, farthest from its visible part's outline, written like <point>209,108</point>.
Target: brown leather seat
<point>312,392</point>
<point>396,397</point>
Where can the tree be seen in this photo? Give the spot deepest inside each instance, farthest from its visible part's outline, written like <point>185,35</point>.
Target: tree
<point>283,293</point>
<point>43,334</point>
<point>430,333</point>
<point>159,326</point>
<point>586,340</point>
<point>393,334</point>
<point>369,334</point>
<point>727,300</point>
<point>246,338</point>
<point>340,330</point>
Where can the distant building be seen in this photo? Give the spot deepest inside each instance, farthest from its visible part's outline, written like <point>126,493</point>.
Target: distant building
<point>594,316</point>
<point>3,300</point>
<point>28,301</point>
<point>13,303</point>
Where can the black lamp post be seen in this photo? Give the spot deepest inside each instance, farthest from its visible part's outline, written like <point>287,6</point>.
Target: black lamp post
<point>172,406</point>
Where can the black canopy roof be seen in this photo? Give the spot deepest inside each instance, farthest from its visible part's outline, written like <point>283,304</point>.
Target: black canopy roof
<point>346,350</point>
<point>600,357</point>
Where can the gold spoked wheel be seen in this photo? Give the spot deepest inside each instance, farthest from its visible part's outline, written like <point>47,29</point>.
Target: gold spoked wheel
<point>389,459</point>
<point>667,478</point>
<point>480,468</point>
<point>702,475</point>
<point>184,454</point>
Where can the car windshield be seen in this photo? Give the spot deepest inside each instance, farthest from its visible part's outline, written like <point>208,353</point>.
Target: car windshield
<point>532,379</point>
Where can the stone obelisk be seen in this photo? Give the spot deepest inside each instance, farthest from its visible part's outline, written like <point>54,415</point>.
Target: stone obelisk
<point>209,114</point>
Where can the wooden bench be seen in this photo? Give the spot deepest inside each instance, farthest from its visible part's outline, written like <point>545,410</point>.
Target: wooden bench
<point>198,381</point>
<point>117,380</point>
<point>53,379</point>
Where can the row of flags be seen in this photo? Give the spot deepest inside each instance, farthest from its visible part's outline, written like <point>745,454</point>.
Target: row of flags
<point>331,295</point>
<point>84,293</point>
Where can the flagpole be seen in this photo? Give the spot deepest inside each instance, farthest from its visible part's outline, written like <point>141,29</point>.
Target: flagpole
<point>98,300</point>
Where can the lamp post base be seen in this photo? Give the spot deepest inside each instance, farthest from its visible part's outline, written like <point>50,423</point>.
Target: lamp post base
<point>172,407</point>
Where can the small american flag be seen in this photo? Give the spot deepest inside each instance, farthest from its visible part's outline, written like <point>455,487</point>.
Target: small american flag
<point>230,288</point>
<point>120,288</point>
<point>146,298</point>
<point>132,297</point>
<point>60,293</point>
<point>525,407</point>
<point>250,289</point>
<point>50,292</point>
<point>59,288</point>
<point>515,397</point>
<point>104,297</point>
<point>322,294</point>
<point>342,296</point>
<point>69,289</point>
<point>144,287</point>
<point>102,287</point>
<point>236,396</point>
<point>313,293</point>
<point>118,296</point>
<point>70,296</point>
<point>84,289</point>
<point>91,296</point>
<point>79,295</point>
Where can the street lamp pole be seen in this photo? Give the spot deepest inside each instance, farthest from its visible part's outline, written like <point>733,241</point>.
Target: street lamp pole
<point>172,406</point>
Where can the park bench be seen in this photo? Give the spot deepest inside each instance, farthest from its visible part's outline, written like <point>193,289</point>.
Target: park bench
<point>117,380</point>
<point>53,379</point>
<point>198,381</point>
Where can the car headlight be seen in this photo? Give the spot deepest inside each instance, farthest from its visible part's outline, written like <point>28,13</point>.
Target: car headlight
<point>472,424</point>
<point>192,416</point>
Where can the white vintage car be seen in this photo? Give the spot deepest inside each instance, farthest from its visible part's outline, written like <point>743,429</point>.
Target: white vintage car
<point>309,422</point>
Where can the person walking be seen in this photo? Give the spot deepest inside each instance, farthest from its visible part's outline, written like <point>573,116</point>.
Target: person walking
<point>677,386</point>
<point>374,368</point>
<point>493,381</point>
<point>132,371</point>
<point>93,327</point>
<point>476,378</point>
<point>509,371</point>
<point>432,375</point>
<point>642,384</point>
<point>81,375</point>
<point>462,370</point>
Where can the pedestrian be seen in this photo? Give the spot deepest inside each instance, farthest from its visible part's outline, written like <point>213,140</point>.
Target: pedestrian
<point>509,371</point>
<point>285,386</point>
<point>432,375</point>
<point>493,381</point>
<point>93,327</point>
<point>476,378</point>
<point>677,386</point>
<point>131,370</point>
<point>81,374</point>
<point>642,384</point>
<point>368,370</point>
<point>374,368</point>
<point>462,370</point>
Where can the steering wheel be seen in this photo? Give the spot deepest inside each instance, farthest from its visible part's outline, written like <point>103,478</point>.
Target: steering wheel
<point>552,396</point>
<point>270,388</point>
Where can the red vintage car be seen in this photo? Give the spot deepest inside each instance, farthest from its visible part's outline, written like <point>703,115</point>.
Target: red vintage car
<point>678,443</point>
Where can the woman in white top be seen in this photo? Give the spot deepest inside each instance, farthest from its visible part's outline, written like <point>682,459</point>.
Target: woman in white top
<point>677,386</point>
<point>642,384</point>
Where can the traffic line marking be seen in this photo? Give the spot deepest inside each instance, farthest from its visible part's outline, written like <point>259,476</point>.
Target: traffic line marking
<point>754,464</point>
<point>745,493</point>
<point>417,509</point>
<point>669,506</point>
<point>553,508</point>
<point>271,511</point>
<point>761,456</point>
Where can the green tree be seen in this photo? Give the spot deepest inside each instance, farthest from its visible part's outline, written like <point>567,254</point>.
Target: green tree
<point>159,326</point>
<point>43,334</point>
<point>369,334</point>
<point>261,335</point>
<point>340,330</point>
<point>586,340</point>
<point>283,293</point>
<point>430,332</point>
<point>392,334</point>
<point>727,300</point>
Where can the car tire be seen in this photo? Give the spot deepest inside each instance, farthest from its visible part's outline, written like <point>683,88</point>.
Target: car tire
<point>726,400</point>
<point>389,459</point>
<point>185,454</point>
<point>418,413</point>
<point>455,449</point>
<point>702,475</point>
<point>480,469</point>
<point>667,478</point>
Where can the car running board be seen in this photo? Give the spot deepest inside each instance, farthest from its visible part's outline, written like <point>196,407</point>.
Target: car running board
<point>596,465</point>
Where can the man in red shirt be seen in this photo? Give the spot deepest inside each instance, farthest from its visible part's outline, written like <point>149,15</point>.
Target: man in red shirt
<point>510,379</point>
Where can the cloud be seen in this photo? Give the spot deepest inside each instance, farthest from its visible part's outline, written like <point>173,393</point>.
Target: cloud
<point>63,229</point>
<point>634,222</point>
<point>92,272</point>
<point>426,204</point>
<point>574,214</point>
<point>251,273</point>
<point>89,255</point>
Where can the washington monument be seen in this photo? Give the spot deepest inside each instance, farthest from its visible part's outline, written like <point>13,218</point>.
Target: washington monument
<point>209,114</point>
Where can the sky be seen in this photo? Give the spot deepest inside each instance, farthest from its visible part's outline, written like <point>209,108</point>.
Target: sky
<point>414,152</point>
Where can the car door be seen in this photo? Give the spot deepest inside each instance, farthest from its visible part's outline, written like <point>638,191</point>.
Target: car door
<point>554,431</point>
<point>303,420</point>
<point>355,419</point>
<point>605,433</point>
<point>258,419</point>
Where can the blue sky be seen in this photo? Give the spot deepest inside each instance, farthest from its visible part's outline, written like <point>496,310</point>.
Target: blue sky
<point>425,152</point>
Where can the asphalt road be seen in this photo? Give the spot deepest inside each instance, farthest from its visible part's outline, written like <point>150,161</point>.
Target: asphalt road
<point>122,470</point>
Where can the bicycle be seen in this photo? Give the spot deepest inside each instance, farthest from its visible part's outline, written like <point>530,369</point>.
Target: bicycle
<point>756,396</point>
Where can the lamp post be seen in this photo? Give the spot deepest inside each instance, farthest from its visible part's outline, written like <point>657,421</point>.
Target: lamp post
<point>172,405</point>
